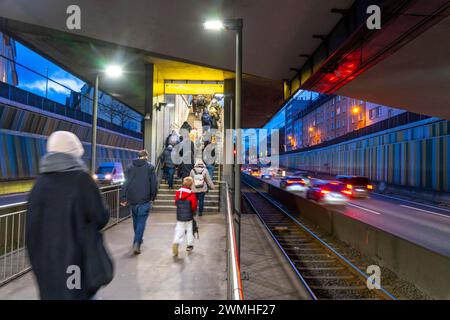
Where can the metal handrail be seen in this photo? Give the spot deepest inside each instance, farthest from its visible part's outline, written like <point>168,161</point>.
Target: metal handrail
<point>13,257</point>
<point>235,291</point>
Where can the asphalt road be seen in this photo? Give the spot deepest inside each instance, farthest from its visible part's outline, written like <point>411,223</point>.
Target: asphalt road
<point>423,224</point>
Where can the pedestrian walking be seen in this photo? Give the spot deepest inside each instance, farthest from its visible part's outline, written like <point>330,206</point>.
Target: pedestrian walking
<point>206,121</point>
<point>202,183</point>
<point>139,190</point>
<point>186,126</point>
<point>167,164</point>
<point>186,203</point>
<point>65,216</point>
<point>172,139</point>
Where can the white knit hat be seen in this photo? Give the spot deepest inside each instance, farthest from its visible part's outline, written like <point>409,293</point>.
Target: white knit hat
<point>65,142</point>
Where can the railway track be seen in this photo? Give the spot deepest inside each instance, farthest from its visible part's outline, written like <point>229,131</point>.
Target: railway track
<point>322,270</point>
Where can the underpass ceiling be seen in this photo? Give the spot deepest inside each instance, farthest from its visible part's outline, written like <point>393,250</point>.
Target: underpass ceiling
<point>275,33</point>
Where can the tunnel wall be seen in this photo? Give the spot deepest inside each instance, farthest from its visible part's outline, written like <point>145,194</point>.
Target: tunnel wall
<point>415,155</point>
<point>20,154</point>
<point>23,135</point>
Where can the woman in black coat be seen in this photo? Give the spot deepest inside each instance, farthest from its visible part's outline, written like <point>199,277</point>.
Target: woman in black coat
<point>64,221</point>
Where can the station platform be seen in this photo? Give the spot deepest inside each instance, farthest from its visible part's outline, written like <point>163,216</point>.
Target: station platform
<point>155,273</point>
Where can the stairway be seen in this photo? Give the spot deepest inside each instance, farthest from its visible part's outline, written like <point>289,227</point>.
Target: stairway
<point>165,200</point>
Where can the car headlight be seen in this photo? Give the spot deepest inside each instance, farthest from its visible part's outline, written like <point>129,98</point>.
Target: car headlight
<point>108,177</point>
<point>94,176</point>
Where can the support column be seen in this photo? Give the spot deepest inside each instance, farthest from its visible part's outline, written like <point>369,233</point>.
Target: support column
<point>227,152</point>
<point>94,127</point>
<point>237,125</point>
<point>148,107</point>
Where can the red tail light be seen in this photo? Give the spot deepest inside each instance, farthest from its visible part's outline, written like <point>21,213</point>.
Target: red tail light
<point>370,187</point>
<point>295,181</point>
<point>349,186</point>
<point>323,191</point>
<point>348,192</point>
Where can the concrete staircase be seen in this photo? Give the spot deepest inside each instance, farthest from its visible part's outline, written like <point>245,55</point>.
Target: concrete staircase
<point>165,200</point>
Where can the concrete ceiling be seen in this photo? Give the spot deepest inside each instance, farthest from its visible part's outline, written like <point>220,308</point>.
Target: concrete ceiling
<point>416,77</point>
<point>275,32</point>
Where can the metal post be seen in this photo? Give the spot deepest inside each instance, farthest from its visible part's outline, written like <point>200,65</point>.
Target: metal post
<point>94,126</point>
<point>237,167</point>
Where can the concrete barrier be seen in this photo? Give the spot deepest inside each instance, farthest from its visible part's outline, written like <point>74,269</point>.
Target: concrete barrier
<point>427,270</point>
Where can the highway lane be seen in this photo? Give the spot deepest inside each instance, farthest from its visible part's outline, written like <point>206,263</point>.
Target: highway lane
<point>422,224</point>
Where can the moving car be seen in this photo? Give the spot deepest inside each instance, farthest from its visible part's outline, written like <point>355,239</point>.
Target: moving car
<point>328,192</point>
<point>293,183</point>
<point>254,170</point>
<point>266,174</point>
<point>109,173</point>
<point>359,186</point>
<point>304,175</point>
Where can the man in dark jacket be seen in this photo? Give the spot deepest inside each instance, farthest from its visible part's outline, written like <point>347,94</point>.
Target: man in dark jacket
<point>139,190</point>
<point>186,126</point>
<point>65,217</point>
<point>168,166</point>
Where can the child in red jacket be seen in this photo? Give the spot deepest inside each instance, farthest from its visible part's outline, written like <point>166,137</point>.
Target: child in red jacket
<point>186,203</point>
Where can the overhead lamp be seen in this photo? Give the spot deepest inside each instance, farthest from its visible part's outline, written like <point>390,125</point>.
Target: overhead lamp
<point>114,71</point>
<point>214,25</point>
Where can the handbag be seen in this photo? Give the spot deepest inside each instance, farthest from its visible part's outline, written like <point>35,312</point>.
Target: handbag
<point>195,228</point>
<point>98,266</point>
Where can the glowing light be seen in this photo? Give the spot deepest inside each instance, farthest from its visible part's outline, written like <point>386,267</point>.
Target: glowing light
<point>214,25</point>
<point>370,187</point>
<point>355,110</point>
<point>114,71</point>
<point>94,176</point>
<point>108,177</point>
<point>311,129</point>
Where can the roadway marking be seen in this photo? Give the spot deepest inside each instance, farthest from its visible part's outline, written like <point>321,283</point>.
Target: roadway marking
<point>354,205</point>
<point>414,202</point>
<point>438,214</point>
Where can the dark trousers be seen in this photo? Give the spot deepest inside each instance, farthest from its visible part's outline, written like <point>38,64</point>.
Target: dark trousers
<point>140,214</point>
<point>201,202</point>
<point>169,172</point>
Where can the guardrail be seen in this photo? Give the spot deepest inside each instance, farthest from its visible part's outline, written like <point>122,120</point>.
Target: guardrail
<point>234,289</point>
<point>13,257</point>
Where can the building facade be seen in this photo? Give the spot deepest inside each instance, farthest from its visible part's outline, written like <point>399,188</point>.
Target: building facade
<point>8,73</point>
<point>313,122</point>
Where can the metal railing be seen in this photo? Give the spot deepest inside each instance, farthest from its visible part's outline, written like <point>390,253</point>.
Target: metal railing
<point>234,288</point>
<point>13,257</point>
